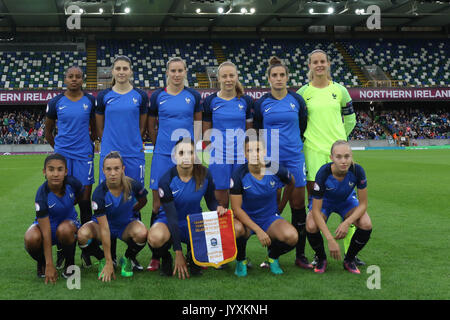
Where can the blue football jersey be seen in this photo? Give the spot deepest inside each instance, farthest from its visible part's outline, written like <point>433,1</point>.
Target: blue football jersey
<point>289,116</point>
<point>228,116</point>
<point>259,197</point>
<point>73,140</point>
<point>58,208</point>
<point>118,211</point>
<point>331,190</point>
<point>175,116</point>
<point>122,118</point>
<point>183,194</point>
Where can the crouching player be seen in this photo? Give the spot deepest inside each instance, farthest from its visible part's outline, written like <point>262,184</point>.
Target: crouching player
<point>334,192</point>
<point>56,219</point>
<point>254,203</point>
<point>115,202</point>
<point>181,190</point>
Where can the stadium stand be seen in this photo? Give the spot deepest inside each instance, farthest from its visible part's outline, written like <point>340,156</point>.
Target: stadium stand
<point>22,126</point>
<point>418,62</point>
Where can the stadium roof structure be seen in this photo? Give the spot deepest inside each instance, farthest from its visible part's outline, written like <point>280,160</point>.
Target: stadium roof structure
<point>255,15</point>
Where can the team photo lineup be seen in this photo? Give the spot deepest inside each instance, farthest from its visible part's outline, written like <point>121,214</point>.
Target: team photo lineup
<point>223,150</point>
<point>118,118</point>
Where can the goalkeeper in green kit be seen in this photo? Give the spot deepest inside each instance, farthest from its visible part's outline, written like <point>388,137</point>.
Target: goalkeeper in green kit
<point>330,118</point>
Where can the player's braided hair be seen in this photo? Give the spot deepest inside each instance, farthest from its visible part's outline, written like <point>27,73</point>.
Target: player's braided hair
<point>125,181</point>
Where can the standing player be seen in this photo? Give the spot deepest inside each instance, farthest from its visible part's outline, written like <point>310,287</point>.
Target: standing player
<point>284,113</point>
<point>181,190</point>
<point>115,202</point>
<point>121,115</point>
<point>72,112</point>
<point>330,117</point>
<point>254,203</point>
<point>333,191</point>
<point>228,110</point>
<point>172,113</point>
<point>56,219</point>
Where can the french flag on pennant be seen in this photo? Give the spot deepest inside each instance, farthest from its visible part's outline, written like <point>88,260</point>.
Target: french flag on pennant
<point>212,238</point>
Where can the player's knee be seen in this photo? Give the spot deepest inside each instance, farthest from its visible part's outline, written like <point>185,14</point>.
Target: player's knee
<point>155,238</point>
<point>33,239</point>
<point>239,229</point>
<point>311,226</point>
<point>290,236</point>
<point>140,234</point>
<point>84,234</point>
<point>364,222</point>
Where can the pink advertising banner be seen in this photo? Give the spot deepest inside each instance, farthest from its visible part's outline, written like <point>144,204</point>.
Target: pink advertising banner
<point>26,97</point>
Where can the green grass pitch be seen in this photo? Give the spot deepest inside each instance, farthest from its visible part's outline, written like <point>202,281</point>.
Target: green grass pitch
<point>409,203</point>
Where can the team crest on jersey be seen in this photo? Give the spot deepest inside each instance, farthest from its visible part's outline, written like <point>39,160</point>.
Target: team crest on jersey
<point>334,95</point>
<point>85,106</point>
<point>292,106</point>
<point>350,184</point>
<point>272,183</point>
<point>240,106</point>
<point>187,100</point>
<point>135,100</point>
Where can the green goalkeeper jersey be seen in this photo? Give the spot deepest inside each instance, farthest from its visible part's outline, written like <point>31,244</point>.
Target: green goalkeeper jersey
<point>326,107</point>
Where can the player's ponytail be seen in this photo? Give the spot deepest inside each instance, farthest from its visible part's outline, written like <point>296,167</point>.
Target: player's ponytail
<point>276,62</point>
<point>310,73</point>
<point>124,180</point>
<point>238,87</point>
